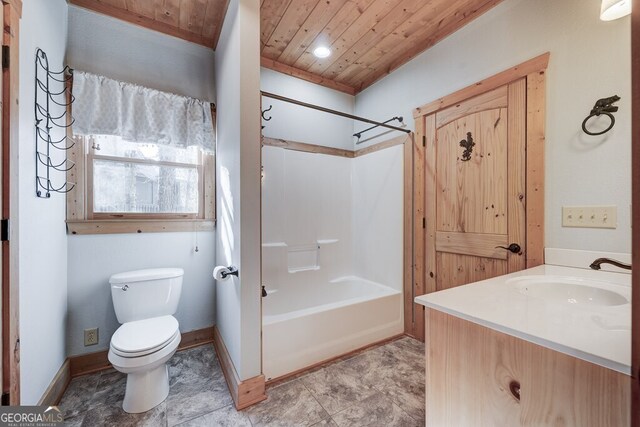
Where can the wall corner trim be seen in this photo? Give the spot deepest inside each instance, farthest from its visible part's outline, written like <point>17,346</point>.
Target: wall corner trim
<point>244,393</point>
<point>58,386</point>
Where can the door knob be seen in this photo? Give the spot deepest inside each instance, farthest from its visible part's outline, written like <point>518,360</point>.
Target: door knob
<point>513,248</point>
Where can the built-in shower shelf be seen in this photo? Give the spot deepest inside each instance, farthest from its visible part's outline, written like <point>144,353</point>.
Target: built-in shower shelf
<point>301,269</point>
<point>328,241</point>
<point>284,245</point>
<point>274,245</point>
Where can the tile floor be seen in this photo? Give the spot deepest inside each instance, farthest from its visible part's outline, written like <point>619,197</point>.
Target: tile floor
<point>381,386</point>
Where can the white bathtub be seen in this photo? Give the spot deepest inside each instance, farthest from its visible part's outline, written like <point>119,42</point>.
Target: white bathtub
<point>310,323</point>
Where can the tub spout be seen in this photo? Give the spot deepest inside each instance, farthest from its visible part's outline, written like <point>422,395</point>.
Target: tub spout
<point>596,264</point>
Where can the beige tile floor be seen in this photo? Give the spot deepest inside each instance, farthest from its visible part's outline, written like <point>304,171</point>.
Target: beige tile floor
<point>381,386</point>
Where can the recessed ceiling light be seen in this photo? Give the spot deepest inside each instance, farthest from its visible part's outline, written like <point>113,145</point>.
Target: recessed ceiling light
<point>322,52</point>
<point>614,9</point>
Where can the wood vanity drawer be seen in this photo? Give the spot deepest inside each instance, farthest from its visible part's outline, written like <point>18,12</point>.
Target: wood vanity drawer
<point>480,377</point>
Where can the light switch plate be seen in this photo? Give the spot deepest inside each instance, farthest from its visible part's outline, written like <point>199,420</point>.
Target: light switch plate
<point>590,216</point>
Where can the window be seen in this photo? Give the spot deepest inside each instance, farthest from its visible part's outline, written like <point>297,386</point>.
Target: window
<point>143,180</point>
<point>143,159</point>
<point>152,186</point>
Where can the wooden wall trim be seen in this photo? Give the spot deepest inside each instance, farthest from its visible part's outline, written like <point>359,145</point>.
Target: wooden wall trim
<point>307,148</point>
<point>398,140</point>
<point>635,247</point>
<point>16,4</point>
<point>94,362</point>
<point>53,393</point>
<point>330,151</point>
<point>517,170</point>
<point>244,393</point>
<point>120,226</point>
<point>305,75</point>
<point>536,116</point>
<point>419,223</point>
<point>536,64</point>
<point>407,282</point>
<point>10,144</point>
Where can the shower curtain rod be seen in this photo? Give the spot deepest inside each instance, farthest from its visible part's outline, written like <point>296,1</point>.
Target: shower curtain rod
<point>330,111</point>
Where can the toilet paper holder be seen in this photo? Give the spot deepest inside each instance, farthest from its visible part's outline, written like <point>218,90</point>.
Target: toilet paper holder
<point>233,271</point>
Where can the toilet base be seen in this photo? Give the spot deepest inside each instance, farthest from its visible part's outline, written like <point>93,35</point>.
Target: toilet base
<point>146,390</point>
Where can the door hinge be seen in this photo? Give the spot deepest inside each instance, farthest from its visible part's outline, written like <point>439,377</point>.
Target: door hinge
<point>5,57</point>
<point>5,399</point>
<point>4,230</point>
<point>424,140</point>
<point>424,222</point>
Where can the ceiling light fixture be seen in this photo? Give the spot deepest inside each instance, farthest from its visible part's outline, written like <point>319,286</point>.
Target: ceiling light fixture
<point>322,52</point>
<point>614,9</point>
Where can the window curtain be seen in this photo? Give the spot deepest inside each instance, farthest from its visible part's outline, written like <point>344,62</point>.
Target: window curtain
<point>105,106</point>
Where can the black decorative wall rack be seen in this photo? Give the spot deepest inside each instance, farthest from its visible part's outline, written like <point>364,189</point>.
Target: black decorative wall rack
<point>45,121</point>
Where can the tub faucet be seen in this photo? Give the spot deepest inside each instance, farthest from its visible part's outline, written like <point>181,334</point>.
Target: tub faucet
<point>596,264</point>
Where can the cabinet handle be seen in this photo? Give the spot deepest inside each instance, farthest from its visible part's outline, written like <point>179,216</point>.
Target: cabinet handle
<point>514,388</point>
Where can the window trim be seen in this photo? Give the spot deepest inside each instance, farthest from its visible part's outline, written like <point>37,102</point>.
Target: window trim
<point>82,220</point>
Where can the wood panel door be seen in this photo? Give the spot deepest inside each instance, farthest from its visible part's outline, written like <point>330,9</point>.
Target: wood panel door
<point>464,205</point>
<point>476,177</point>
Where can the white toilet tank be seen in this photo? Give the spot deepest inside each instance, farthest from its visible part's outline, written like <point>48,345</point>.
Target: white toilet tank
<point>143,294</point>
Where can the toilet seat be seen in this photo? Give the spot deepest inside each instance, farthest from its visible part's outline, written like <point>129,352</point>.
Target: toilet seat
<point>144,337</point>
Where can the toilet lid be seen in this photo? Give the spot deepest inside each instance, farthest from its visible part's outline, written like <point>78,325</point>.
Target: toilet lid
<point>144,336</point>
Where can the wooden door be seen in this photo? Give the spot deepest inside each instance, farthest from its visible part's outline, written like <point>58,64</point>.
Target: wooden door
<point>478,174</point>
<point>463,206</point>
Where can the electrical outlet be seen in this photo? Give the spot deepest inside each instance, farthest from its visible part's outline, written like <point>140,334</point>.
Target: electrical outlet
<point>590,216</point>
<point>90,336</point>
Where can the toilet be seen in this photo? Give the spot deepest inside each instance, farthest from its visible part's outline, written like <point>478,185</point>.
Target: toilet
<point>144,302</point>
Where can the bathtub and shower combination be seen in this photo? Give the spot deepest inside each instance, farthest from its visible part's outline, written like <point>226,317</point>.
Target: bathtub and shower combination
<point>332,255</point>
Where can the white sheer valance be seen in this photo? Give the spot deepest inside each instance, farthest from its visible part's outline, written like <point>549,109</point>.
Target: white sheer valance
<point>105,106</point>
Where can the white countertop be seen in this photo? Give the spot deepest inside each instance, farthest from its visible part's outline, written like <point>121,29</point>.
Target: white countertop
<point>601,335</point>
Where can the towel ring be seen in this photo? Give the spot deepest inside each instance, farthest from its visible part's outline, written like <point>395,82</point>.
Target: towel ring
<point>588,132</point>
<point>603,106</point>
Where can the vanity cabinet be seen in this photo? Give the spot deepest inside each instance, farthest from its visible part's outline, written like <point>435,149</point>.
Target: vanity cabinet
<point>477,376</point>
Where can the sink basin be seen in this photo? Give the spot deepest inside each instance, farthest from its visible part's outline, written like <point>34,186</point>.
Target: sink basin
<point>569,290</point>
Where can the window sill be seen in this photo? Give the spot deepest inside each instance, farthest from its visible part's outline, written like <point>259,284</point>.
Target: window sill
<point>124,226</point>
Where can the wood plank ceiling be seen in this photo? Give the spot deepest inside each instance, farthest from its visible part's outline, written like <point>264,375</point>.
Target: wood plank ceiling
<point>368,38</point>
<point>198,21</point>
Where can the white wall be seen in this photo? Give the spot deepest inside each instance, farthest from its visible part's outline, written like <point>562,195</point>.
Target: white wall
<point>238,315</point>
<point>296,123</point>
<point>590,59</point>
<point>357,204</point>
<point>106,46</point>
<point>377,216</point>
<point>306,199</point>
<point>89,293</point>
<point>42,239</point>
<point>122,51</point>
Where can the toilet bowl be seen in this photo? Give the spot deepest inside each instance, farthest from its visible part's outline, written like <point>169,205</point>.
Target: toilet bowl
<point>145,301</point>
